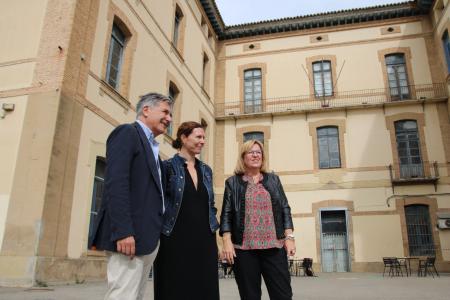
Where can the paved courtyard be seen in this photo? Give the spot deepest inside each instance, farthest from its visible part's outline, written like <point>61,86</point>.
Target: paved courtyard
<point>337,286</point>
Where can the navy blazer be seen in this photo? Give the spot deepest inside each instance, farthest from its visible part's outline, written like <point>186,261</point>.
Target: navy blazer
<point>132,198</point>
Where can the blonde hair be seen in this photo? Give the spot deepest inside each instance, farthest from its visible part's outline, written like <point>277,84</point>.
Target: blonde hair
<point>247,146</point>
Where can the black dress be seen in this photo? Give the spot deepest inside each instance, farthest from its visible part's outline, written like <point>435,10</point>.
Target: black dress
<point>186,267</point>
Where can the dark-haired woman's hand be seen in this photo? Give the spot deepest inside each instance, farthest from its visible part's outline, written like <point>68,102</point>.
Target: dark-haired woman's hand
<point>228,249</point>
<point>289,245</point>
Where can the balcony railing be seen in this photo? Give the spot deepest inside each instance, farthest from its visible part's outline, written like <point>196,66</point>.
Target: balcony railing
<point>404,174</point>
<point>357,98</point>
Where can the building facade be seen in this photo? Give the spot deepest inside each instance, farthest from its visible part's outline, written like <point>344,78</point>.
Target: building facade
<point>352,108</point>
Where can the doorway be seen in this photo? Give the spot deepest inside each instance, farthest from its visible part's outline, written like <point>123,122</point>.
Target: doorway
<point>334,241</point>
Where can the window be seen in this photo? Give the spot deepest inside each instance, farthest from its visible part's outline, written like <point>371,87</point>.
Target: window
<point>205,75</point>
<point>418,226</point>
<point>408,147</point>
<point>254,135</point>
<point>204,153</point>
<point>173,93</point>
<point>115,57</point>
<point>323,83</point>
<point>177,27</point>
<point>252,91</point>
<point>446,44</point>
<point>397,76</point>
<point>328,144</point>
<point>99,178</point>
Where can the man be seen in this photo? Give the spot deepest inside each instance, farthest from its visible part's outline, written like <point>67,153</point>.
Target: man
<point>130,219</point>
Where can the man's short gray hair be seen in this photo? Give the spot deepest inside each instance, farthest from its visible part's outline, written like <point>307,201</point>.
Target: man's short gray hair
<point>152,100</point>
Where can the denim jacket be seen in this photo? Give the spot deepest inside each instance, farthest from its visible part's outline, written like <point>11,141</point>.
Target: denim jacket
<point>175,176</point>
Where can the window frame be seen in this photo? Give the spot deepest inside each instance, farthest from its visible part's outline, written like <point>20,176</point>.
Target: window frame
<point>322,72</point>
<point>341,125</point>
<point>406,51</point>
<point>328,137</point>
<point>173,92</point>
<point>390,125</point>
<point>98,183</point>
<point>252,135</point>
<point>252,79</point>
<point>206,73</point>
<point>115,40</point>
<point>178,32</point>
<point>403,136</point>
<point>120,19</point>
<point>446,45</point>
<point>397,77</point>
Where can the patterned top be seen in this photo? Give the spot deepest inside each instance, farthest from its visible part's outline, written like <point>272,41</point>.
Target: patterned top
<point>259,226</point>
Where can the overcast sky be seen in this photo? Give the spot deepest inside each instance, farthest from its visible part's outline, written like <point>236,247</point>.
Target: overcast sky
<point>246,11</point>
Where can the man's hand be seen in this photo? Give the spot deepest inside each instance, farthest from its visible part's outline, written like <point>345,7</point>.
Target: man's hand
<point>127,246</point>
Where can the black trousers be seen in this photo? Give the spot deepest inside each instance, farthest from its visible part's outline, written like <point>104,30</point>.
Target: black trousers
<point>272,264</point>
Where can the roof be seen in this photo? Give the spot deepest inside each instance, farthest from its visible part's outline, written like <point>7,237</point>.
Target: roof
<point>328,19</point>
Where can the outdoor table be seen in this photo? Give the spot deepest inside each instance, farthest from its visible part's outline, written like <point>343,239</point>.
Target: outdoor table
<point>295,266</point>
<point>407,260</point>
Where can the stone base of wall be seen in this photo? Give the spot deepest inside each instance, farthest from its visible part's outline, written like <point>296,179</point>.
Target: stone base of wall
<point>51,270</point>
<point>28,271</point>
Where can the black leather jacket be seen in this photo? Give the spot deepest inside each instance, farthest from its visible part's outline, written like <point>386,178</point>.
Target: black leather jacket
<point>233,207</point>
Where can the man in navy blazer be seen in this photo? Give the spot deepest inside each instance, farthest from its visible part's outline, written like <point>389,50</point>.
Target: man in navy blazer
<point>130,219</point>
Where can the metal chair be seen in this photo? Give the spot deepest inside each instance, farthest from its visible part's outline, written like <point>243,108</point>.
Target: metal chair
<point>427,266</point>
<point>403,264</point>
<point>394,266</point>
<point>307,267</point>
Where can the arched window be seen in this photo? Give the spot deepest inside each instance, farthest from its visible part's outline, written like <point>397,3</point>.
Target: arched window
<point>420,237</point>
<point>254,135</point>
<point>177,28</point>
<point>173,93</point>
<point>115,56</point>
<point>205,73</point>
<point>203,153</point>
<point>446,44</point>
<point>408,147</point>
<point>323,82</point>
<point>252,91</point>
<point>328,145</point>
<point>397,76</point>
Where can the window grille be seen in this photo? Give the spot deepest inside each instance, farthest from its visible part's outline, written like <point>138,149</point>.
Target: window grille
<point>420,236</point>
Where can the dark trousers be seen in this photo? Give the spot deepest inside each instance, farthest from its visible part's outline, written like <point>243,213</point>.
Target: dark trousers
<point>272,264</point>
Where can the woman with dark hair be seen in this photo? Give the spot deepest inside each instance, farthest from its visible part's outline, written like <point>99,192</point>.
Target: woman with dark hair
<point>186,266</point>
<point>256,226</point>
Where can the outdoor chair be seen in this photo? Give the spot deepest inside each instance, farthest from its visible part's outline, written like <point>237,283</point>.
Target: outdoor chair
<point>307,267</point>
<point>403,264</point>
<point>394,266</point>
<point>427,266</point>
<point>292,267</point>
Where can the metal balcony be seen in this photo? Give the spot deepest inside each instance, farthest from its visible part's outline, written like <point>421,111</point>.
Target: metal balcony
<point>351,99</point>
<point>411,174</point>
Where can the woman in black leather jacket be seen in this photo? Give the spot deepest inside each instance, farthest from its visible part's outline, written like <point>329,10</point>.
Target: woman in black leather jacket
<point>256,226</point>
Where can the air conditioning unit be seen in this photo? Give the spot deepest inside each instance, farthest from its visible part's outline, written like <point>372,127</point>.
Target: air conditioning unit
<point>444,223</point>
